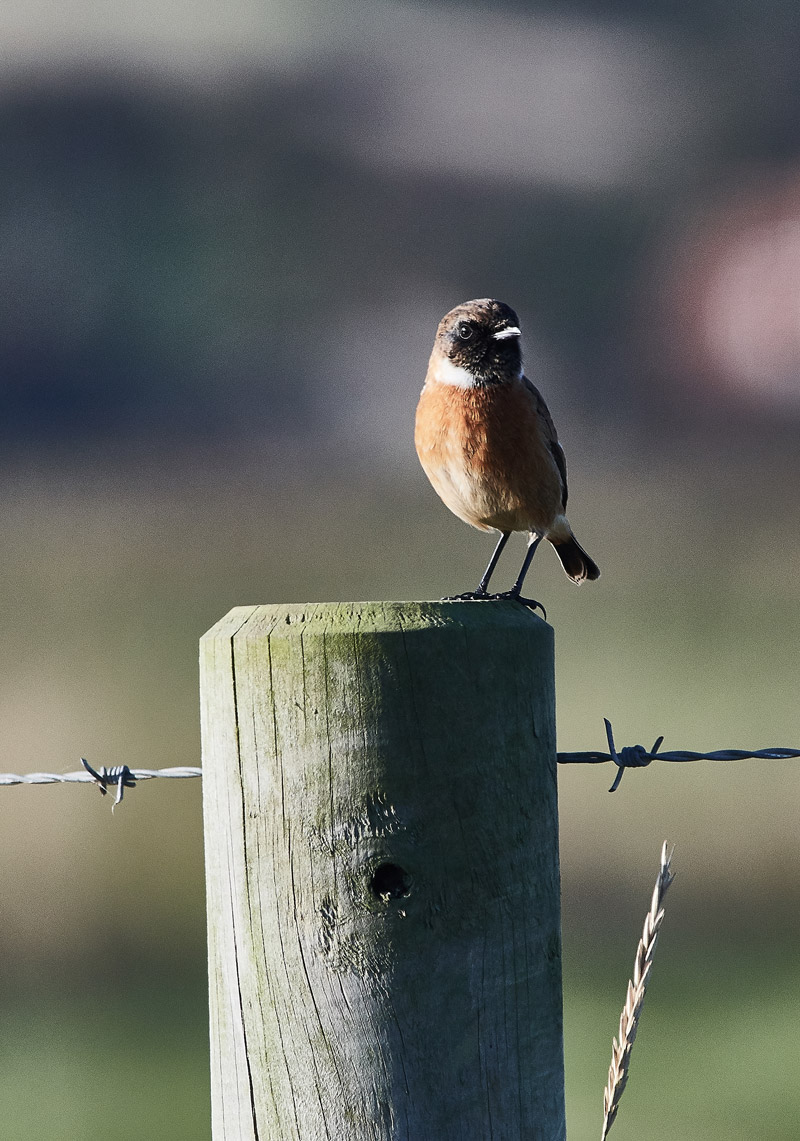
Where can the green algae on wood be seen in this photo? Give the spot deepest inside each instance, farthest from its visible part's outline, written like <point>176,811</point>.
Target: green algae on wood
<point>382,873</point>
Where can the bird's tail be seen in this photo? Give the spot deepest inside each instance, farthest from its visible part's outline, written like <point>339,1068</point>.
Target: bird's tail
<point>578,565</point>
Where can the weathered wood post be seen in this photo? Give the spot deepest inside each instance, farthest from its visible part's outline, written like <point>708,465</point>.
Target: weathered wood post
<point>382,873</point>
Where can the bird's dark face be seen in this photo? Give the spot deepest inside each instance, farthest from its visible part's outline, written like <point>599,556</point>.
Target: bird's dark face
<point>480,340</point>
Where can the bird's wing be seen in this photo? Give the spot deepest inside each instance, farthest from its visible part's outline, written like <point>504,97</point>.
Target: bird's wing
<point>550,435</point>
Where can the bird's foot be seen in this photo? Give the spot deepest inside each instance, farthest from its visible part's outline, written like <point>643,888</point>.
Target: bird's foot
<point>468,596</point>
<point>505,595</point>
<point>515,596</point>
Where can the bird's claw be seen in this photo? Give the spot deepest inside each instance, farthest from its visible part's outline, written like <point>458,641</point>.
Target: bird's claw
<point>468,596</point>
<point>514,596</point>
<point>503,596</point>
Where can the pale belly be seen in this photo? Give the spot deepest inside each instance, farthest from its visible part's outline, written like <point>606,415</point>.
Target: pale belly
<point>487,503</point>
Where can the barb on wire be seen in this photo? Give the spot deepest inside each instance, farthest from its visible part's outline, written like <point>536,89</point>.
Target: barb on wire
<point>631,757</point>
<point>120,777</point>
<point>637,757</point>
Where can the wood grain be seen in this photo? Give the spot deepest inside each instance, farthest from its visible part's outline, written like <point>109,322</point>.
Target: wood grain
<point>382,873</point>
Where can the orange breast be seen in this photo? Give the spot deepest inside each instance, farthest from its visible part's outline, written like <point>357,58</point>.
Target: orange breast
<point>484,452</point>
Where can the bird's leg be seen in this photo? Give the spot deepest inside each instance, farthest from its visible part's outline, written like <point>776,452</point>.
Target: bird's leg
<point>487,574</point>
<point>515,592</point>
<point>533,543</point>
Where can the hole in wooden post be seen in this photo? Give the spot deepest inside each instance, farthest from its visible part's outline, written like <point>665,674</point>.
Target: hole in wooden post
<point>389,881</point>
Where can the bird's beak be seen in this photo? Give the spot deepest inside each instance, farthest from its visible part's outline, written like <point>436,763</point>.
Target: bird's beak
<point>504,334</point>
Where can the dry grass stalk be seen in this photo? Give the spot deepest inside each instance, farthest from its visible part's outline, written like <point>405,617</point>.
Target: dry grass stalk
<point>629,1019</point>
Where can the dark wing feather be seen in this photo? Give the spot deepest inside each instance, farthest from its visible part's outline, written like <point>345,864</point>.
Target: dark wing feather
<point>550,435</point>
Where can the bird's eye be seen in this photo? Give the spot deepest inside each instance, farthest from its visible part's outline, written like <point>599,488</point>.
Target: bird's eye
<point>465,331</point>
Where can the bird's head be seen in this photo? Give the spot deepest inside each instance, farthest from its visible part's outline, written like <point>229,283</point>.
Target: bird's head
<point>477,344</point>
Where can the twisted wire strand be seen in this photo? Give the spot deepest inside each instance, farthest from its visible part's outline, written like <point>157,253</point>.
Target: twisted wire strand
<point>637,757</point>
<point>179,773</point>
<point>119,777</point>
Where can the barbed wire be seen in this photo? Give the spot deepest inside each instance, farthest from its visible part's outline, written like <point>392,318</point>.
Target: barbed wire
<point>120,776</point>
<point>637,757</point>
<point>629,757</point>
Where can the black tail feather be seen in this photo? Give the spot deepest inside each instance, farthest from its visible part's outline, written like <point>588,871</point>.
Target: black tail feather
<point>579,566</point>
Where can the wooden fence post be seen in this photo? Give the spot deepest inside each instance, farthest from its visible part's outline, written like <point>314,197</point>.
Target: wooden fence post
<point>382,873</point>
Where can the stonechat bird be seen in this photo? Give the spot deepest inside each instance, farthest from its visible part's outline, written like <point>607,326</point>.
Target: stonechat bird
<point>487,441</point>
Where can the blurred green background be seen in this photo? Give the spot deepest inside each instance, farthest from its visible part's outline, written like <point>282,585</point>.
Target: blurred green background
<point>227,235</point>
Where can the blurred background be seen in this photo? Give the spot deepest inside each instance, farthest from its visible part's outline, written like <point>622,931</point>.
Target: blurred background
<point>227,234</point>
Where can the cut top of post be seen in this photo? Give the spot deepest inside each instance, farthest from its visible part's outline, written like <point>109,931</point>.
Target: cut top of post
<point>349,617</point>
